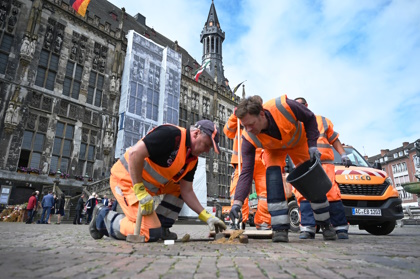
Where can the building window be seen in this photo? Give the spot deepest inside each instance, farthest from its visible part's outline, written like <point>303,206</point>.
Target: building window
<point>72,80</point>
<point>183,118</point>
<point>400,153</point>
<point>172,113</point>
<point>194,117</point>
<point>5,47</point>
<point>87,152</point>
<point>395,155</point>
<point>416,161</point>
<point>152,104</point>
<point>96,83</point>
<point>136,94</point>
<point>62,148</point>
<point>404,167</point>
<point>32,147</point>
<point>47,70</point>
<point>406,152</point>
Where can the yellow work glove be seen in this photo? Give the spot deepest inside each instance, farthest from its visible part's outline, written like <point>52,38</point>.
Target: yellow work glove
<point>215,224</point>
<point>145,199</point>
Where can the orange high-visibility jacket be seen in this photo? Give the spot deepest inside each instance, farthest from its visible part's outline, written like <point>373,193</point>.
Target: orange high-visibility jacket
<point>155,176</point>
<point>327,136</point>
<point>230,130</point>
<point>290,128</point>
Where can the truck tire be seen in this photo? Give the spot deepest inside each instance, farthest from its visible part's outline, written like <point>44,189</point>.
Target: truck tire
<point>381,229</point>
<point>294,216</point>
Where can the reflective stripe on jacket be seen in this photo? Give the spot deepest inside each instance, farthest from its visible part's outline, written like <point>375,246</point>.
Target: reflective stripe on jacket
<point>327,136</point>
<point>230,129</point>
<point>155,176</point>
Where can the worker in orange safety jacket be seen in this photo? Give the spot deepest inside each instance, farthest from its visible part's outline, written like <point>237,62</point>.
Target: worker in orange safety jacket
<point>262,218</point>
<point>162,163</point>
<point>328,139</point>
<point>276,126</point>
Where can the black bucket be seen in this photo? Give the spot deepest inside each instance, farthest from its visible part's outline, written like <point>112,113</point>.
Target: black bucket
<point>310,180</point>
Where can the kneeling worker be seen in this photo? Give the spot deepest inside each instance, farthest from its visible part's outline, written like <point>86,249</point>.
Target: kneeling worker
<point>163,162</point>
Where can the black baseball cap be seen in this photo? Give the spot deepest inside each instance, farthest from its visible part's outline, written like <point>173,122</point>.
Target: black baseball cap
<point>209,128</point>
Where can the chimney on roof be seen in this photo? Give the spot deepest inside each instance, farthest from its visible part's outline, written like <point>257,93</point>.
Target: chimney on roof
<point>405,144</point>
<point>140,19</point>
<point>384,151</point>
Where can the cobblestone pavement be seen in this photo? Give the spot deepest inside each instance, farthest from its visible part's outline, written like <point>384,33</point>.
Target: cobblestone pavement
<point>68,251</point>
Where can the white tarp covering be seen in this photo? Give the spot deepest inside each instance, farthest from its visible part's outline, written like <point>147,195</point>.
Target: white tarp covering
<point>200,189</point>
<point>150,90</point>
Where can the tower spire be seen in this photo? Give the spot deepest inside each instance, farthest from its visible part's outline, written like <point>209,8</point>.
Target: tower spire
<point>212,37</point>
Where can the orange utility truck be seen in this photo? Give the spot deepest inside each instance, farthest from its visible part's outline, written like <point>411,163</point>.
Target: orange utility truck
<point>369,196</point>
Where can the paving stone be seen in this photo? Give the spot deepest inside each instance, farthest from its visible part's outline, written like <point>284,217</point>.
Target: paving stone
<point>68,251</point>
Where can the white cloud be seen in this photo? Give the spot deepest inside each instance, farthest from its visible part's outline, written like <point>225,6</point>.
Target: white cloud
<point>356,62</point>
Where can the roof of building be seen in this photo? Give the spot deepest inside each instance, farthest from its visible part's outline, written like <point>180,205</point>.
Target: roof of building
<point>390,153</point>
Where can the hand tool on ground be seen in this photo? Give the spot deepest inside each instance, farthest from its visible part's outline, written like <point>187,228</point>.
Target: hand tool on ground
<point>136,237</point>
<point>251,233</point>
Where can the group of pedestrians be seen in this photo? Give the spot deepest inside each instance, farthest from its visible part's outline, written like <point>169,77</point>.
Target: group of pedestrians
<point>88,207</point>
<point>50,204</point>
<point>53,205</point>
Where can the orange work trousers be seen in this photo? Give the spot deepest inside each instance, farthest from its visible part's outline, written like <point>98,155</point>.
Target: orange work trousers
<point>123,192</point>
<point>262,217</point>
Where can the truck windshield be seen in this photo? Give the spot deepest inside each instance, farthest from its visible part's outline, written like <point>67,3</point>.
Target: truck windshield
<point>355,157</point>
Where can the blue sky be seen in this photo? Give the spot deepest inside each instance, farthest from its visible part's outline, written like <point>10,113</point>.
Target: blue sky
<point>356,62</point>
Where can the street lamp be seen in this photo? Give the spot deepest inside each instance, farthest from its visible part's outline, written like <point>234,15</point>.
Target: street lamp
<point>57,179</point>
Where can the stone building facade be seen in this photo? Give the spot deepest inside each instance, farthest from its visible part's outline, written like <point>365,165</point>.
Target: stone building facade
<point>60,77</point>
<point>400,164</point>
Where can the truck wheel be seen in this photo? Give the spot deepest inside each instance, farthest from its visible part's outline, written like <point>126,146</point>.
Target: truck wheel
<point>294,216</point>
<point>381,229</point>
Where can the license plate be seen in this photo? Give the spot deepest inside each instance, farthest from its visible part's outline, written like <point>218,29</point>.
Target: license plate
<point>367,211</point>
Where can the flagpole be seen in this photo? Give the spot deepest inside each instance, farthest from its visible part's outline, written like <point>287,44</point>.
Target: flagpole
<point>238,131</point>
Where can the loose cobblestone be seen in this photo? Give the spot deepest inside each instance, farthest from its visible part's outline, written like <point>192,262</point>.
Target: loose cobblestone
<point>68,251</point>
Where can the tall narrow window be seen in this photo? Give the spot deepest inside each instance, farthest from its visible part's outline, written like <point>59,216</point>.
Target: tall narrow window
<point>183,118</point>
<point>62,148</point>
<point>32,147</point>
<point>87,152</point>
<point>152,104</point>
<point>136,94</point>
<point>72,80</point>
<point>47,70</point>
<point>33,141</point>
<point>5,47</point>
<point>96,83</point>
